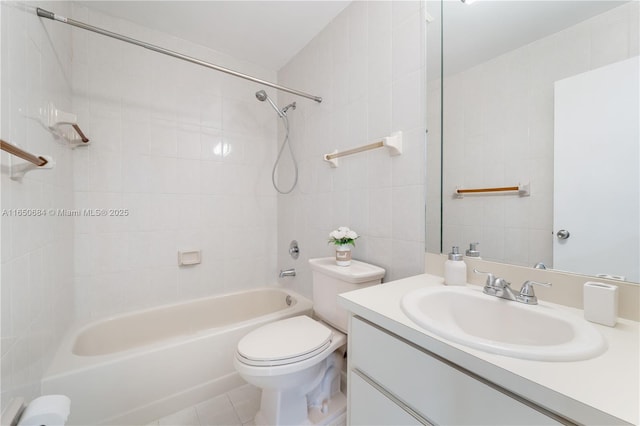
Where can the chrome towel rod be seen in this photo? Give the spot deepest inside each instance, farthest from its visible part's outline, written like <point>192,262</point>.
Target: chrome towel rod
<point>55,17</point>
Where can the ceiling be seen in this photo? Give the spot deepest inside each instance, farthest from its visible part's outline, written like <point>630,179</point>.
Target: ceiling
<point>484,29</point>
<point>270,33</point>
<point>267,33</point>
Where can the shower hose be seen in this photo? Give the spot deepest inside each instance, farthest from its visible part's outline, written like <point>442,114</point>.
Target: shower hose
<point>285,142</point>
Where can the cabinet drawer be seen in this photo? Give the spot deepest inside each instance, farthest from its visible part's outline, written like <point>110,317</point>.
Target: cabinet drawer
<point>369,407</point>
<point>434,389</point>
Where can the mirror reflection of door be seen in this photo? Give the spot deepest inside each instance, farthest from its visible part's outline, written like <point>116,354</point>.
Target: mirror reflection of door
<point>596,172</point>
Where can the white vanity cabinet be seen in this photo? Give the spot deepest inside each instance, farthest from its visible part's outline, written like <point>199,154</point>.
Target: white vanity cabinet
<point>372,405</point>
<point>394,382</point>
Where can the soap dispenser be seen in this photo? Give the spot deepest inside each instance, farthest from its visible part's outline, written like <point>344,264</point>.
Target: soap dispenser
<point>455,270</point>
<point>473,251</point>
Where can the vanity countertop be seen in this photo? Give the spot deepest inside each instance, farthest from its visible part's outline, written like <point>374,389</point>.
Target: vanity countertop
<point>601,390</point>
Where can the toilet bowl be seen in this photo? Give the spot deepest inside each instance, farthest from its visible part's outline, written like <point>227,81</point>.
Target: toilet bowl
<point>297,362</point>
<point>290,360</point>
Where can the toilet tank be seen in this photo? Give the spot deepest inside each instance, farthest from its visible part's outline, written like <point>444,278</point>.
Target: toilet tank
<point>329,280</point>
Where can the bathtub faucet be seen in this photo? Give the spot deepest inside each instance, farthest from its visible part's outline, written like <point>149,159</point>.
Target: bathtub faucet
<point>287,272</point>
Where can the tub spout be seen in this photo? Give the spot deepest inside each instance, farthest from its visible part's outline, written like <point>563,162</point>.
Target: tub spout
<point>287,272</point>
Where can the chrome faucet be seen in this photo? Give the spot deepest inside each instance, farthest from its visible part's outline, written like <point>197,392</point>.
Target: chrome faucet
<point>540,265</point>
<point>287,272</point>
<point>501,288</point>
<point>526,292</point>
<point>498,287</point>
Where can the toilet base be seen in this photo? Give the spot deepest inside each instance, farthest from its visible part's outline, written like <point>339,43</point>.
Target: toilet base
<point>335,415</point>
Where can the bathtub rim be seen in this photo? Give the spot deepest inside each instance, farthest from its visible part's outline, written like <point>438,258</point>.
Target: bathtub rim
<point>65,361</point>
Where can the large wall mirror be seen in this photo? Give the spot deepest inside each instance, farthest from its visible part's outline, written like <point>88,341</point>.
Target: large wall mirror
<point>542,96</point>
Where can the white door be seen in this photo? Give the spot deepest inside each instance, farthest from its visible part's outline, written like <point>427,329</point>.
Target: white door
<point>596,179</point>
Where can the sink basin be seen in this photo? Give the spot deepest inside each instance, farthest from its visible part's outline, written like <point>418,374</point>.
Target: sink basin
<point>537,332</point>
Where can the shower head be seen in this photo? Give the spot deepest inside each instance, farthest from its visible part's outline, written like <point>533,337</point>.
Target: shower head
<point>291,105</point>
<point>262,96</point>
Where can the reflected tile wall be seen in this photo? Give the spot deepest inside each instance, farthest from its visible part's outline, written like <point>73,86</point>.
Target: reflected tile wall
<point>499,137</point>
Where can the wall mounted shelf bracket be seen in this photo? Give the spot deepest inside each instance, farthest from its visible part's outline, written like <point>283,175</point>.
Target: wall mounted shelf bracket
<point>19,170</point>
<point>55,118</point>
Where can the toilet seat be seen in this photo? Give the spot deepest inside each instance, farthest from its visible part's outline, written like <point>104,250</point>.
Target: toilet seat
<point>284,342</point>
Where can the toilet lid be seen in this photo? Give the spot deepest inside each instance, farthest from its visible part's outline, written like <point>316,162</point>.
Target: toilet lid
<point>284,342</point>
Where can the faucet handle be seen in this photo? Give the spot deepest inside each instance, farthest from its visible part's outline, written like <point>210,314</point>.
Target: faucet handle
<point>491,279</point>
<point>501,283</point>
<point>527,295</point>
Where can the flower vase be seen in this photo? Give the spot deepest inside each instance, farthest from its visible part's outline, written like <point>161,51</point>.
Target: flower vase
<point>343,255</point>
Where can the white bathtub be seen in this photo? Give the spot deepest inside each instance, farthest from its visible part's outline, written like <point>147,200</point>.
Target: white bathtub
<point>137,367</point>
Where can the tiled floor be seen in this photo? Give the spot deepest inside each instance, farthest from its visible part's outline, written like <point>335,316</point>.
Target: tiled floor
<point>235,408</point>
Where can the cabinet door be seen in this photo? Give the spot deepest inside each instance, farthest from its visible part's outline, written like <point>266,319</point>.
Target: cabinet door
<point>439,391</point>
<point>369,407</point>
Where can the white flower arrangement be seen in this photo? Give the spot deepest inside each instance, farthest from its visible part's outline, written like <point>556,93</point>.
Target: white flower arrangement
<point>343,236</point>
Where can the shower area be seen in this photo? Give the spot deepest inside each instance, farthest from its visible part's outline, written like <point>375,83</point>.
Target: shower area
<point>195,159</point>
<point>184,149</point>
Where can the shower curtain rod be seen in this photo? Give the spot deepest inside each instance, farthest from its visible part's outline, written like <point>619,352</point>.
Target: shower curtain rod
<point>55,17</point>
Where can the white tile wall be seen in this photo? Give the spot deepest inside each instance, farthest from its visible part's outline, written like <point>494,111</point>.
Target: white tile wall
<point>36,252</point>
<point>158,127</point>
<point>369,67</point>
<point>500,132</point>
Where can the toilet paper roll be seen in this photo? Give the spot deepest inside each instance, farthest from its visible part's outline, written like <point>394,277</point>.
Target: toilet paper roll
<point>48,410</point>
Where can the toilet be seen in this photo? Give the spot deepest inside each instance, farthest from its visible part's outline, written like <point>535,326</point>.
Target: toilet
<point>297,362</point>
